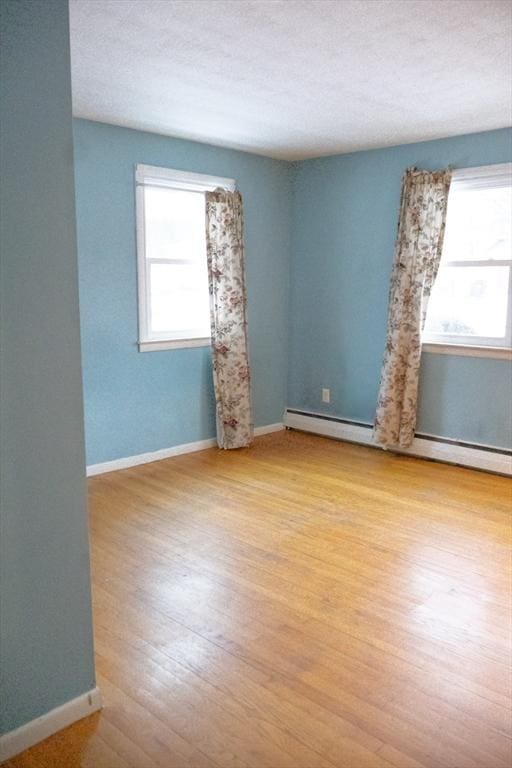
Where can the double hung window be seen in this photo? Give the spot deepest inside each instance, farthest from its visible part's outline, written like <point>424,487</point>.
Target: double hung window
<point>171,246</point>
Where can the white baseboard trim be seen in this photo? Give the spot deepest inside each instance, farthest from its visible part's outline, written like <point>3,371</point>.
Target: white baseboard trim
<point>166,453</point>
<point>147,458</point>
<point>41,728</point>
<point>258,431</point>
<point>451,453</point>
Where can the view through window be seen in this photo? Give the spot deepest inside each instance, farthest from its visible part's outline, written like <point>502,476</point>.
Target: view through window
<point>174,304</point>
<point>471,299</point>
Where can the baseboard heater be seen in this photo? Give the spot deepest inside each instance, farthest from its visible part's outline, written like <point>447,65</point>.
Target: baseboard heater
<point>477,456</point>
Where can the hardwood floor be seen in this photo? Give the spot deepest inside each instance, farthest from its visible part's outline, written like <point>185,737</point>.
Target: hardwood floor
<point>302,604</point>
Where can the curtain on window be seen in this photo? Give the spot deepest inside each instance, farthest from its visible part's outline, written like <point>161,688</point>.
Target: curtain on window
<point>418,249</point>
<point>228,314</point>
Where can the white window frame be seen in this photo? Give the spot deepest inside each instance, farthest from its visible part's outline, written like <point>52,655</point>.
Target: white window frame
<point>482,177</point>
<point>155,176</point>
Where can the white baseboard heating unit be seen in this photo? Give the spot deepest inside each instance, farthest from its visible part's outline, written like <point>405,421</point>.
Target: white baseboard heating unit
<point>424,446</point>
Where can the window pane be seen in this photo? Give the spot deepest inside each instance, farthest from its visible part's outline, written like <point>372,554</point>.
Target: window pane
<point>175,224</point>
<point>478,225</point>
<point>469,301</point>
<point>179,299</point>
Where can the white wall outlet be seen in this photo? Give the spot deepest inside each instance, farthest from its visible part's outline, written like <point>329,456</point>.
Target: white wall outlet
<point>326,395</point>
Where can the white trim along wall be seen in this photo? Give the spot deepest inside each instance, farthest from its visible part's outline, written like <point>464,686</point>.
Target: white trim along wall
<point>166,453</point>
<point>432,447</point>
<point>41,728</point>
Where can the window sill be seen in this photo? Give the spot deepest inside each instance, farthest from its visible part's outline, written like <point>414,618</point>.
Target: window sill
<point>157,346</point>
<point>465,350</point>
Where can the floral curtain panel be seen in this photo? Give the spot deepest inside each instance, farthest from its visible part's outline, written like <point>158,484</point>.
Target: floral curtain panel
<point>418,249</point>
<point>228,315</point>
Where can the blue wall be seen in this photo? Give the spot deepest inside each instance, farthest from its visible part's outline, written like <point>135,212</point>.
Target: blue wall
<point>45,624</point>
<point>137,402</point>
<point>328,227</point>
<point>344,218</point>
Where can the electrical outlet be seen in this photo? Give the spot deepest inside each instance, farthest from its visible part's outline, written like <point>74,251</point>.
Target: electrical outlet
<point>326,395</point>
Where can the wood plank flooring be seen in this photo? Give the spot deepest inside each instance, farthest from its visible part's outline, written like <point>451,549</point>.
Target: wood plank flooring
<point>301,604</point>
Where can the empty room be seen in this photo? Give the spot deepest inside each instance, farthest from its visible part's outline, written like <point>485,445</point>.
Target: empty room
<point>256,384</point>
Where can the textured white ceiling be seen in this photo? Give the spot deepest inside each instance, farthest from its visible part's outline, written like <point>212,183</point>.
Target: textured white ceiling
<point>294,78</point>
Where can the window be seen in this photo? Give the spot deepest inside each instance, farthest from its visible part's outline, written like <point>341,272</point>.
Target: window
<point>172,272</point>
<point>471,302</point>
